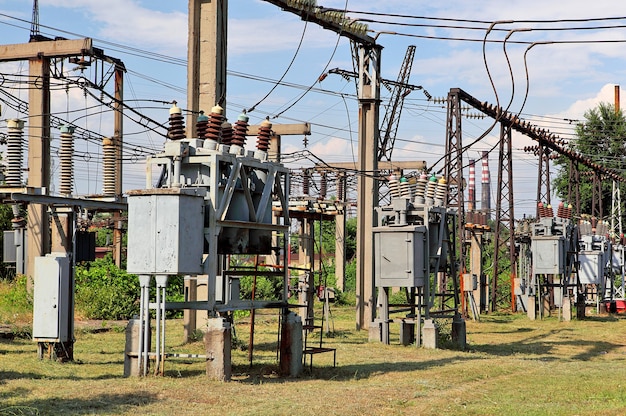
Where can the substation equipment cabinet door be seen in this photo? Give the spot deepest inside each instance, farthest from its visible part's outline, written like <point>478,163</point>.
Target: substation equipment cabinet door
<point>401,256</point>
<point>52,298</point>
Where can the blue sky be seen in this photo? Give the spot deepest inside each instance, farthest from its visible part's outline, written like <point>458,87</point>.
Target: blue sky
<point>565,79</point>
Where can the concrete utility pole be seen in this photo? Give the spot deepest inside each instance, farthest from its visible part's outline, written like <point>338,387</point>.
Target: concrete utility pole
<point>118,141</point>
<point>206,87</point>
<point>39,55</point>
<point>206,58</point>
<point>367,186</point>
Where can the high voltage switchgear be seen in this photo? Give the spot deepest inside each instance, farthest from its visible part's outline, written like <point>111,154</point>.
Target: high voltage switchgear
<point>212,197</point>
<point>412,251</point>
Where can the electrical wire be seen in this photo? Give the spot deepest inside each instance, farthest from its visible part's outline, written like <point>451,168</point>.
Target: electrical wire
<point>297,100</point>
<point>293,59</point>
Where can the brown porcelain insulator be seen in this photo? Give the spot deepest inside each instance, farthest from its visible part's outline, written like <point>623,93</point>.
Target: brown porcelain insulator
<point>263,137</point>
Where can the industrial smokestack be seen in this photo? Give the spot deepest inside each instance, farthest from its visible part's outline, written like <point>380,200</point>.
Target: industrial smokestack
<point>486,187</point>
<point>471,191</point>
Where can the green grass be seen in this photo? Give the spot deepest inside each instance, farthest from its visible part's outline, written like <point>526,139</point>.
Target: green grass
<point>512,366</point>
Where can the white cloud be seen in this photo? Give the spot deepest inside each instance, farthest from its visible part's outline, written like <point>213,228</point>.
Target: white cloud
<point>127,21</point>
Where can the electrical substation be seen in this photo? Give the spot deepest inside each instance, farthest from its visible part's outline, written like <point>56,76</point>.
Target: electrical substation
<point>210,204</point>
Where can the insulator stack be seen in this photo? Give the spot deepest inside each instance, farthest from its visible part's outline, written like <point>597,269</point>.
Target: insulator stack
<point>14,152</point>
<point>560,211</point>
<point>341,196</point>
<point>441,192</point>
<point>240,129</point>
<point>305,182</point>
<point>227,133</point>
<point>405,188</point>
<point>214,125</point>
<point>420,188</point>
<point>66,160</point>
<point>177,123</point>
<point>569,210</point>
<point>430,190</point>
<point>202,124</point>
<point>263,137</point>
<point>602,228</point>
<point>108,166</point>
<point>394,186</point>
<point>549,211</point>
<point>584,227</point>
<point>323,186</point>
<point>540,212</point>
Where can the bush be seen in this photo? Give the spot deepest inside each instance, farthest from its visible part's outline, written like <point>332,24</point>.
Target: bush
<point>16,296</point>
<point>266,288</point>
<point>16,303</point>
<point>103,291</point>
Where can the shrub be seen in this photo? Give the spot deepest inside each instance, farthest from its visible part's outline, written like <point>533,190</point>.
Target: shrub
<point>103,291</point>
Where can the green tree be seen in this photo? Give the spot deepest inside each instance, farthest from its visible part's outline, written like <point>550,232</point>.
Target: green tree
<point>601,137</point>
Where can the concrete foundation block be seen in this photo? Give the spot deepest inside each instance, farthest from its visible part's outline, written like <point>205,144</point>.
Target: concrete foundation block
<point>566,309</point>
<point>131,358</point>
<point>217,344</point>
<point>430,334</point>
<point>407,333</point>
<point>291,345</point>
<point>531,308</point>
<point>459,333</point>
<point>375,332</point>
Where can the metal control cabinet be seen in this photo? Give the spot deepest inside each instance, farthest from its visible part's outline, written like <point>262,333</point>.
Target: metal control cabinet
<point>52,299</point>
<point>591,267</point>
<point>401,255</point>
<point>548,254</point>
<point>165,232</point>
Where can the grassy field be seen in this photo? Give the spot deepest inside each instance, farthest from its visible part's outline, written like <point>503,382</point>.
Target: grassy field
<point>512,366</point>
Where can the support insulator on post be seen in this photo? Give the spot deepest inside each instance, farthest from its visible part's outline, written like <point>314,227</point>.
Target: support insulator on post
<point>420,188</point>
<point>341,196</point>
<point>430,190</point>
<point>441,192</point>
<point>202,123</point>
<point>66,156</point>
<point>227,133</point>
<point>263,137</point>
<point>214,123</point>
<point>176,130</point>
<point>305,182</point>
<point>15,152</point>
<point>108,166</point>
<point>240,130</point>
<point>394,186</point>
<point>323,186</point>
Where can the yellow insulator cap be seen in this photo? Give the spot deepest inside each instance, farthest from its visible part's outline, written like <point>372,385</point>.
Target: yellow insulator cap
<point>174,109</point>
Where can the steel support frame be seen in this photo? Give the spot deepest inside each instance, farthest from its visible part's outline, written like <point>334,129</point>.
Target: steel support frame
<point>453,170</point>
<point>543,176</point>
<point>505,216</point>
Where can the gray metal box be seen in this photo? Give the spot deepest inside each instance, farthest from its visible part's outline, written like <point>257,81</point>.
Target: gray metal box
<point>591,267</point>
<point>8,248</point>
<point>52,298</point>
<point>400,256</point>
<point>548,254</point>
<point>165,232</point>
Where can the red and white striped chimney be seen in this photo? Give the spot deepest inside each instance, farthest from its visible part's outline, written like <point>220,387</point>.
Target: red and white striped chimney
<point>471,191</point>
<point>486,187</point>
